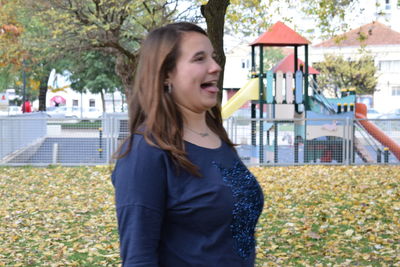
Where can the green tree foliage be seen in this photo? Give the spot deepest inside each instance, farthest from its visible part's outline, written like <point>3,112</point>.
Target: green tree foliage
<point>110,26</point>
<point>338,73</point>
<point>271,57</point>
<point>59,29</point>
<point>330,15</point>
<point>253,17</point>
<point>246,17</point>
<point>54,29</point>
<point>94,72</point>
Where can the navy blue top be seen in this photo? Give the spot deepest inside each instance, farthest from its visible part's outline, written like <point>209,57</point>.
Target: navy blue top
<point>175,219</point>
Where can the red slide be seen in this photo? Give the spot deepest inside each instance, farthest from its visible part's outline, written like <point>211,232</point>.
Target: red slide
<point>378,134</point>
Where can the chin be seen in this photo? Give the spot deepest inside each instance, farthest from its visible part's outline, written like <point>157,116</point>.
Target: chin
<point>211,104</point>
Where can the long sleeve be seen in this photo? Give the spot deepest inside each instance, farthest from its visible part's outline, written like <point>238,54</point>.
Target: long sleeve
<point>139,179</point>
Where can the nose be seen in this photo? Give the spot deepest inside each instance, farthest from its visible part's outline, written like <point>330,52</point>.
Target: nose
<point>215,67</point>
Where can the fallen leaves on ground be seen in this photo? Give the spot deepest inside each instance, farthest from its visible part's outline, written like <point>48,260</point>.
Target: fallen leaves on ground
<point>313,216</point>
<point>57,216</point>
<point>329,216</point>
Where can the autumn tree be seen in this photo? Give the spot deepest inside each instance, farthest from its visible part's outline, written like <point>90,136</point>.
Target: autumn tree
<point>75,27</point>
<point>26,53</point>
<point>337,73</point>
<point>11,51</point>
<point>246,17</point>
<point>112,27</point>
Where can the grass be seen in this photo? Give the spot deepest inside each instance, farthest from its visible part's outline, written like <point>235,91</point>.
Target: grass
<point>78,124</point>
<point>313,216</point>
<point>82,124</point>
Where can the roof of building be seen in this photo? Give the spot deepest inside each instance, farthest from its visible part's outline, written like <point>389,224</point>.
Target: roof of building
<point>287,65</point>
<point>280,35</point>
<point>374,33</point>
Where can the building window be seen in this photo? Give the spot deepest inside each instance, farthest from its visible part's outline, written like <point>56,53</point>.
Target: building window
<point>75,102</point>
<point>395,90</point>
<point>92,103</point>
<point>389,66</point>
<point>387,4</point>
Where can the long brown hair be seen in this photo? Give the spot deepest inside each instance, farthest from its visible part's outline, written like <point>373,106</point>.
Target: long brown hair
<point>152,111</point>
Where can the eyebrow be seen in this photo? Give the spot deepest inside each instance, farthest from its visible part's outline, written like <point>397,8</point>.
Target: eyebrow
<point>200,53</point>
<point>203,53</point>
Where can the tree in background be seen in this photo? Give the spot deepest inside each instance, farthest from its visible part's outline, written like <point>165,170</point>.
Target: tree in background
<point>112,27</point>
<point>94,72</point>
<point>11,51</point>
<point>25,53</point>
<point>246,17</point>
<point>272,56</point>
<point>337,73</point>
<point>55,29</point>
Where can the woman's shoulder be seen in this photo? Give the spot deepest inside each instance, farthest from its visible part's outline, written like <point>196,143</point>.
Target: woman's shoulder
<point>140,156</point>
<point>140,146</point>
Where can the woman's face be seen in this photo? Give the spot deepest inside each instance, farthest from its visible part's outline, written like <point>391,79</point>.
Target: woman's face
<point>194,80</point>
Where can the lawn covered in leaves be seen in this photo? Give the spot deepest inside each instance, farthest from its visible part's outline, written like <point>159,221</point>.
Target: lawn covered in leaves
<point>313,216</point>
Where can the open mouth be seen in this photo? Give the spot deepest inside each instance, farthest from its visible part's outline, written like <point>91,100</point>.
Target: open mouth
<point>205,85</point>
<point>208,84</point>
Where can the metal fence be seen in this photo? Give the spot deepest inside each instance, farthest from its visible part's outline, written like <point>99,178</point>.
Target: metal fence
<point>316,141</point>
<point>35,139</point>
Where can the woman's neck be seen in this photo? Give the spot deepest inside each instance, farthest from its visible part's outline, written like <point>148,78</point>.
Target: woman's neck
<point>196,130</point>
<point>194,120</point>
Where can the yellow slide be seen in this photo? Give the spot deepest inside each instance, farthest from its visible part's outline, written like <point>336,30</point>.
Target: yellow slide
<point>248,92</point>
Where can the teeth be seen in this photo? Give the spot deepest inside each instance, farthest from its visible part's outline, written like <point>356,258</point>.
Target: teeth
<point>210,83</point>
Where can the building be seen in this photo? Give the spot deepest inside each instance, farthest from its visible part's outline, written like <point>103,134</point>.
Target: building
<point>383,43</point>
<point>62,95</point>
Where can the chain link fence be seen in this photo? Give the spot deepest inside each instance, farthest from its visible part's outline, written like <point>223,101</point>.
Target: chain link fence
<point>34,139</point>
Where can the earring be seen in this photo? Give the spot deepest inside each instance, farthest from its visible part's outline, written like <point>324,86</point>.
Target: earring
<point>169,88</point>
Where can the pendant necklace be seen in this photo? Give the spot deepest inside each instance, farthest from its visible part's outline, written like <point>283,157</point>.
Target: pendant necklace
<point>201,134</point>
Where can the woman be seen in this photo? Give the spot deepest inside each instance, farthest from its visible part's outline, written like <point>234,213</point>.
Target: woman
<point>183,197</point>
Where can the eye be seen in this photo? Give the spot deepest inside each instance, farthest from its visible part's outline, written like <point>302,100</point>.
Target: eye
<point>199,58</point>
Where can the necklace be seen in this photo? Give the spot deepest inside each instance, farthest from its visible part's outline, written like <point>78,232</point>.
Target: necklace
<point>201,134</point>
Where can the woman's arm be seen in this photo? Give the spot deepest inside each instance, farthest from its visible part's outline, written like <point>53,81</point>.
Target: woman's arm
<point>140,193</point>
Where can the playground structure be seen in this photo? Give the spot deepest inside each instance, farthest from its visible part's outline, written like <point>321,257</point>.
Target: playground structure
<point>326,128</point>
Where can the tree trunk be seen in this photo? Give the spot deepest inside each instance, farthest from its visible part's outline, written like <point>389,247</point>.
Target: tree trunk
<point>103,101</point>
<point>125,69</point>
<point>43,91</point>
<point>214,13</point>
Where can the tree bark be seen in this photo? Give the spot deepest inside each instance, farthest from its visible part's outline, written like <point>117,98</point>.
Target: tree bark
<point>214,13</point>
<point>103,100</point>
<point>43,91</point>
<point>125,69</point>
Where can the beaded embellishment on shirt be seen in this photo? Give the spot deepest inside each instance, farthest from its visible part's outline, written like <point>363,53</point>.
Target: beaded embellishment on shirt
<point>248,204</point>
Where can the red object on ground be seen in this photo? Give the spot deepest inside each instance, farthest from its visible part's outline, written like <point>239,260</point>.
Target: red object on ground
<point>378,134</point>
<point>26,107</point>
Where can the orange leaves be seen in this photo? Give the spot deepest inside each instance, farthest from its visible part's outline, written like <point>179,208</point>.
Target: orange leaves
<point>10,29</point>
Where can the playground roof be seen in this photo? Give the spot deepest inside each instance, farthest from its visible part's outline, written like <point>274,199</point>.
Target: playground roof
<point>280,35</point>
<point>374,33</point>
<point>287,65</point>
